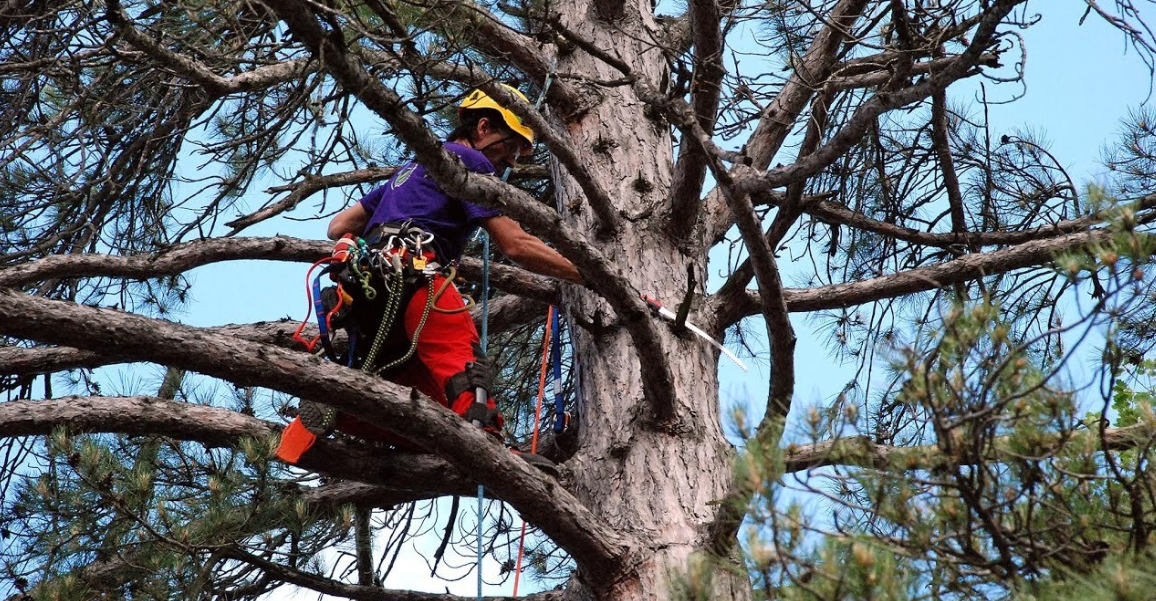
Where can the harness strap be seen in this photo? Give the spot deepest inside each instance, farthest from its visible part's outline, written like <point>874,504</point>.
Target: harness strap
<point>477,374</point>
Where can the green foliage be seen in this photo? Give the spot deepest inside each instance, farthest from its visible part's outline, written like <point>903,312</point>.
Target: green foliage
<point>1012,486</point>
<point>1130,404</point>
<point>1119,578</point>
<point>155,511</point>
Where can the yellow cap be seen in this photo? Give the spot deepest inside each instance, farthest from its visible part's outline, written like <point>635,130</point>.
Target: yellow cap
<point>478,99</point>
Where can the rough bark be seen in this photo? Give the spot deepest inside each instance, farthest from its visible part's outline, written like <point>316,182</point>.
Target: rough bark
<point>653,479</point>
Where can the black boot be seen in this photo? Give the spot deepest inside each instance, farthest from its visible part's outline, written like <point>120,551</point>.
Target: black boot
<point>317,418</point>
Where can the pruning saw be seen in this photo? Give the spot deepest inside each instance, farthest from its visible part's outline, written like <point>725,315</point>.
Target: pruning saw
<point>657,308</point>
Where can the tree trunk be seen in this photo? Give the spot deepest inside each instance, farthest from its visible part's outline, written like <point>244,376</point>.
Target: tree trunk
<point>651,481</point>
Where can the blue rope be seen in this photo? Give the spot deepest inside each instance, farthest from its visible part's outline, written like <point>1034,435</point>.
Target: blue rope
<point>484,341</point>
<point>556,358</point>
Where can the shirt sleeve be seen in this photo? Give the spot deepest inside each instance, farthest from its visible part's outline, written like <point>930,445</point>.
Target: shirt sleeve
<point>476,213</point>
<point>371,200</point>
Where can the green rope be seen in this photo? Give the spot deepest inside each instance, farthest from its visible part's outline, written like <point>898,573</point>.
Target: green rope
<point>416,333</point>
<point>363,277</point>
<point>392,305</point>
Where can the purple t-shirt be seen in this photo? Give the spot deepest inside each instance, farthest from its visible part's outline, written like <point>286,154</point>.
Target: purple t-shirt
<point>412,196</point>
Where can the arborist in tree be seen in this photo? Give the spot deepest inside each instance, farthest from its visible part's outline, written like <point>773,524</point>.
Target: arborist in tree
<point>394,258</point>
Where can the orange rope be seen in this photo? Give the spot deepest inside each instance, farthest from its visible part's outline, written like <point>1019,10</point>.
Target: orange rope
<point>329,315</point>
<point>534,438</point>
<point>309,344</point>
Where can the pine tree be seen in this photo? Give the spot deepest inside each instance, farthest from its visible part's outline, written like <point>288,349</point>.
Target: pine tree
<point>143,140</point>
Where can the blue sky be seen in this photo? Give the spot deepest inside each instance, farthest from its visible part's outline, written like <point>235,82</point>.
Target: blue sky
<point>1079,83</point>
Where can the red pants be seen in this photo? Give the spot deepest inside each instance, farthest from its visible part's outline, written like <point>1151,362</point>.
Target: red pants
<point>444,346</point>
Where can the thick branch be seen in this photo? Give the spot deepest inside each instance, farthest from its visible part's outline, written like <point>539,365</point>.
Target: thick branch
<point>215,85</point>
<point>706,88</point>
<point>860,451</point>
<point>921,279</point>
<point>420,421</point>
<point>198,253</point>
<point>679,30</point>
<point>939,129</point>
<point>780,116</point>
<point>407,476</point>
<point>773,306</point>
<point>504,312</point>
<point>176,260</point>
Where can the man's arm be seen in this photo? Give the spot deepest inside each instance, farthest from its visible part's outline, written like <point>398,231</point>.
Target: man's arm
<point>528,251</point>
<point>349,221</point>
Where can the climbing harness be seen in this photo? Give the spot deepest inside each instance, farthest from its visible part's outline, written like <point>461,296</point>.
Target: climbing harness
<point>374,278</point>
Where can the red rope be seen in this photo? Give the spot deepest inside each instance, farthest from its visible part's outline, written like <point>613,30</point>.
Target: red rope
<point>534,438</point>
<point>340,303</point>
<point>309,344</point>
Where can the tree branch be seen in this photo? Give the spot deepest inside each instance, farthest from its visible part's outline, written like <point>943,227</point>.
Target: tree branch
<point>706,89</point>
<point>860,451</point>
<point>939,133</point>
<point>883,74</point>
<point>773,306</point>
<point>830,212</point>
<point>780,116</point>
<point>810,73</point>
<point>405,476</point>
<point>422,422</point>
<point>505,312</point>
<point>299,191</point>
<point>198,253</point>
<point>750,182</point>
<point>496,40</point>
<point>920,279</point>
<point>215,85</point>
